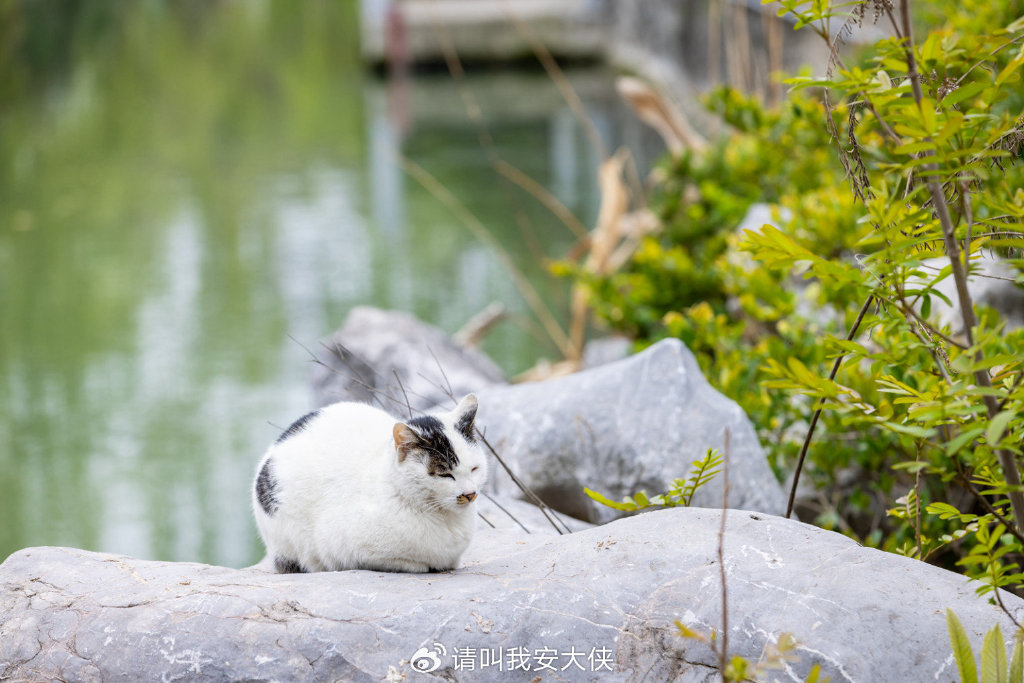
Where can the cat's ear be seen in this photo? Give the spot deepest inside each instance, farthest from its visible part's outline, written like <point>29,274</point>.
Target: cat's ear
<point>405,440</point>
<point>463,416</point>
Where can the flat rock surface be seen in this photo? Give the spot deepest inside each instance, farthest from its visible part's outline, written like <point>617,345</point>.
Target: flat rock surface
<point>595,605</point>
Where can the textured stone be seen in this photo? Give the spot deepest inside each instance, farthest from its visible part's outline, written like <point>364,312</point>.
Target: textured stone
<point>619,428</point>
<point>391,357</point>
<point>611,593</point>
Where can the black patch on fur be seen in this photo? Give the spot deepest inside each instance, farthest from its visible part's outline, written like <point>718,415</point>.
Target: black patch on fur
<point>297,426</point>
<point>286,565</point>
<point>266,488</point>
<point>435,443</point>
<point>465,426</point>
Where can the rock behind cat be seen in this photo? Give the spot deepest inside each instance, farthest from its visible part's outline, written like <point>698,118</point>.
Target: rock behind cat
<point>351,487</point>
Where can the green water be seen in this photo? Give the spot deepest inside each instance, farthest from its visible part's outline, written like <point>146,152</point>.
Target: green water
<point>187,187</point>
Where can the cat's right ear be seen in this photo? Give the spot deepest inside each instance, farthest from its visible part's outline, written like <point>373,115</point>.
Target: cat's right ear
<point>405,440</point>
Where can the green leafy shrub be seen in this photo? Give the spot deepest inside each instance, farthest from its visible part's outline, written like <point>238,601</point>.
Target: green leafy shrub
<point>905,175</point>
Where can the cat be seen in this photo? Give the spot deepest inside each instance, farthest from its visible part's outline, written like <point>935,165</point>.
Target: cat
<point>351,487</point>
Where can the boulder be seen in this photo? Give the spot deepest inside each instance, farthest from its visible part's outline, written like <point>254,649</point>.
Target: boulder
<point>391,357</point>
<point>630,425</point>
<point>606,350</point>
<point>599,604</point>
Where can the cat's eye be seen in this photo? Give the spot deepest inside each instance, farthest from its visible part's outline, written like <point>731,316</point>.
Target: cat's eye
<point>448,474</point>
<point>474,469</point>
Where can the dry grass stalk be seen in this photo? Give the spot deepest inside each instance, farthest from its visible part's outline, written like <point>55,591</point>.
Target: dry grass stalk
<point>661,115</point>
<point>473,224</point>
<point>612,242</point>
<point>477,327</point>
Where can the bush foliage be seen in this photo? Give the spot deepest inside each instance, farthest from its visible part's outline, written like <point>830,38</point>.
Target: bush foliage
<point>887,182</point>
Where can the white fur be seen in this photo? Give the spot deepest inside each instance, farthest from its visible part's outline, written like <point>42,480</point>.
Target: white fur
<point>348,501</point>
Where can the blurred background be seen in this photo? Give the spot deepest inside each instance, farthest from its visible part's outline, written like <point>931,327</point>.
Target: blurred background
<point>194,192</point>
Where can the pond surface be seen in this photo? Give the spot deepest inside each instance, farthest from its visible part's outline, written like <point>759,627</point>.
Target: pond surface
<point>189,195</point>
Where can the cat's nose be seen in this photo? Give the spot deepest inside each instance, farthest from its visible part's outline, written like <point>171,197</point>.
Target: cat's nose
<point>466,498</point>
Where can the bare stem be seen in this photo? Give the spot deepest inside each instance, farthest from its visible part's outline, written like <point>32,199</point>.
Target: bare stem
<point>917,506</point>
<point>524,488</point>
<point>723,654</point>
<point>817,413</point>
<point>473,224</point>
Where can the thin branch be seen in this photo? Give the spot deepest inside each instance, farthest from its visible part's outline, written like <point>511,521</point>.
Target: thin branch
<point>987,57</point>
<point>408,406</point>
<point>969,217</point>
<point>909,312</point>
<point>723,654</point>
<point>942,361</point>
<point>357,379</point>
<point>473,224</point>
<point>475,114</point>
<point>556,74</point>
<point>444,375</point>
<point>821,402</point>
<point>989,508</point>
<point>523,487</point>
<point>544,196</point>
<point>917,506</point>
<point>500,507</point>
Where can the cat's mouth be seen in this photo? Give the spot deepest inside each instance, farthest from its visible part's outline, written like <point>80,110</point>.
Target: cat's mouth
<point>465,498</point>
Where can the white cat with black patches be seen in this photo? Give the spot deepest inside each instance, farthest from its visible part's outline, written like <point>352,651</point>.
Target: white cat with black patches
<point>351,487</point>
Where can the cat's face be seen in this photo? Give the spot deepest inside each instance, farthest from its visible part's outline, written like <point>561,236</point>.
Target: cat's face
<point>439,458</point>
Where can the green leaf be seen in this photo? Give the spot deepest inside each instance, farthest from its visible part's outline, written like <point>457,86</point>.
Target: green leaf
<point>997,425</point>
<point>963,439</point>
<point>963,92</point>
<point>961,648</point>
<point>607,501</point>
<point>1011,68</point>
<point>993,657</point>
<point>943,510</point>
<point>687,632</point>
<point>1016,674</point>
<point>704,470</point>
<point>915,147</point>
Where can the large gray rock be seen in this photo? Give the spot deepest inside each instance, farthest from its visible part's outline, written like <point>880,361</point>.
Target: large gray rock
<point>392,357</point>
<point>619,428</point>
<point>611,594</point>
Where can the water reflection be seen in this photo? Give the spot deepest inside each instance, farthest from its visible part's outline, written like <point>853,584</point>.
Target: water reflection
<point>194,186</point>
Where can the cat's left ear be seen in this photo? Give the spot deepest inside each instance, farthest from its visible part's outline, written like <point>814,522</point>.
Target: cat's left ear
<point>463,416</point>
<point>405,440</point>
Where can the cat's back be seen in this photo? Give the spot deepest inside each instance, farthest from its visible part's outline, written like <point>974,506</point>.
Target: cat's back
<point>350,439</point>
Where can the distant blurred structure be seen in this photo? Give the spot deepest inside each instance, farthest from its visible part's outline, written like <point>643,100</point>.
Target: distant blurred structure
<point>482,30</point>
<point>680,46</point>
